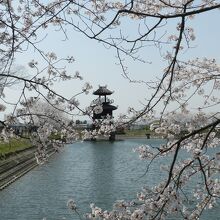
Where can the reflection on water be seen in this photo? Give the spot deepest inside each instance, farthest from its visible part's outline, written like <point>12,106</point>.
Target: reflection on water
<point>89,172</point>
<point>102,176</point>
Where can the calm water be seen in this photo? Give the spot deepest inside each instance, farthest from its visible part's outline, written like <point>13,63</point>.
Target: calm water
<point>88,172</point>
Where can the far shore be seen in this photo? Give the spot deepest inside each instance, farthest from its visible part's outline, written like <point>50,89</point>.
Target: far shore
<point>137,137</point>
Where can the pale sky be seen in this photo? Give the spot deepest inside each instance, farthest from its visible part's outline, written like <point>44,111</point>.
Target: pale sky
<point>98,65</point>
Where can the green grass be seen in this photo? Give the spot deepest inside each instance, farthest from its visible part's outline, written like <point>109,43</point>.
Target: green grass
<point>133,133</point>
<point>14,145</point>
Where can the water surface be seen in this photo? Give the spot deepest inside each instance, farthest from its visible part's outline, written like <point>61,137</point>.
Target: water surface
<point>100,172</point>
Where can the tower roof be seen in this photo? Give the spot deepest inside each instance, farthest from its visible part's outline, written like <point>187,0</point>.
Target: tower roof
<point>109,107</point>
<point>102,90</point>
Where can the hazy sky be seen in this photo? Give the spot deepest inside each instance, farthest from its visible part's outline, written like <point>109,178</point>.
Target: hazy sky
<point>98,65</point>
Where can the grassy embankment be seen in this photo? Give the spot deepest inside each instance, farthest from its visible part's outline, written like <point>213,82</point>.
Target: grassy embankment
<point>133,133</point>
<point>138,132</point>
<point>14,145</point>
<point>18,144</point>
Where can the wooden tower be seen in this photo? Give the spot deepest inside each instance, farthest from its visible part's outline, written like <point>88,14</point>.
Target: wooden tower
<point>105,105</point>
